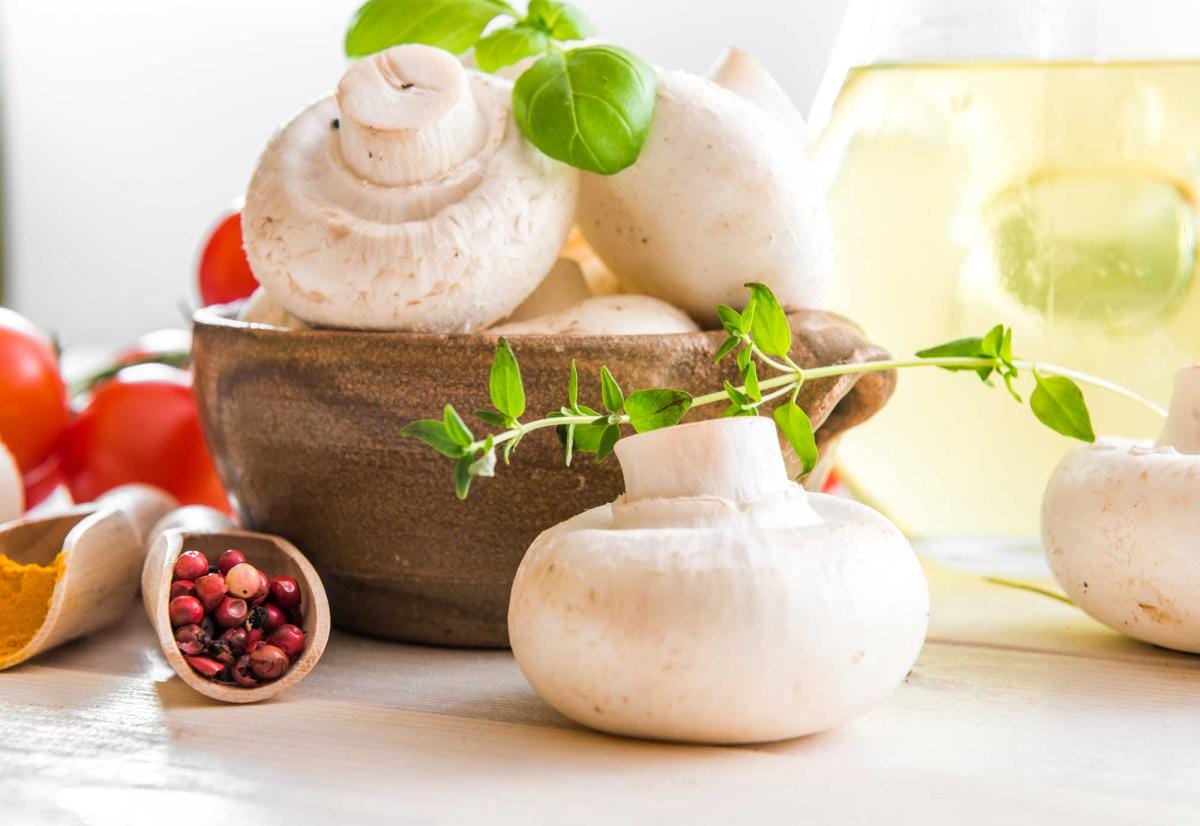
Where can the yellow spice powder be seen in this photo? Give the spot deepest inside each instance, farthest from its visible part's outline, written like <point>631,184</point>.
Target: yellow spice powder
<point>25,592</point>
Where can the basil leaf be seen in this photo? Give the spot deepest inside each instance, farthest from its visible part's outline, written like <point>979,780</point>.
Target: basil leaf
<point>507,46</point>
<point>1058,403</point>
<point>654,409</point>
<point>610,392</point>
<point>726,348</point>
<point>608,440</point>
<point>492,418</point>
<point>456,428</point>
<point>433,433</point>
<point>508,393</point>
<point>562,21</point>
<point>462,477</point>
<point>590,107</point>
<point>750,379</point>
<point>573,387</point>
<point>796,426</point>
<point>453,25</point>
<point>770,330</point>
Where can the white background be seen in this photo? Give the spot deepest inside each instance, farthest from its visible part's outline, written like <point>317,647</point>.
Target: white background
<point>129,124</point>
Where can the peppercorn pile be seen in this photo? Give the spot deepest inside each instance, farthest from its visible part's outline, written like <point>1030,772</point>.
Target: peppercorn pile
<point>233,624</point>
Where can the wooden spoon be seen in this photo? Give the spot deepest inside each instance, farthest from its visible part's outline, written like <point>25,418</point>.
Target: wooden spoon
<point>103,546</point>
<point>210,532</point>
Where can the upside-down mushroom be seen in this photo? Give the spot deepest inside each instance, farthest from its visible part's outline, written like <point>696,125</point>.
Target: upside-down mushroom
<point>407,201</point>
<point>1121,527</point>
<point>716,601</point>
<point>606,315</point>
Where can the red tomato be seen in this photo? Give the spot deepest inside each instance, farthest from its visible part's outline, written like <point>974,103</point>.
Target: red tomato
<point>225,274</point>
<point>33,399</point>
<point>42,481</point>
<point>142,426</point>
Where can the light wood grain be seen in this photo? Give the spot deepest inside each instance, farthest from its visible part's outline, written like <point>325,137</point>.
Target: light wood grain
<point>1017,711</point>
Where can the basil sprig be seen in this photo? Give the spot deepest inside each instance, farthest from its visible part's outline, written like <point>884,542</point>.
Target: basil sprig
<point>587,106</point>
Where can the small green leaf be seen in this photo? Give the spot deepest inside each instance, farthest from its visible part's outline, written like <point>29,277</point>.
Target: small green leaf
<point>731,320</point>
<point>736,396</point>
<point>743,359</point>
<point>748,316</point>
<point>587,436</point>
<point>1006,351</point>
<point>433,433</point>
<point>562,21</point>
<point>654,409</point>
<point>796,426</point>
<point>608,440</point>
<point>509,45</point>
<point>589,107</point>
<point>969,348</point>
<point>453,25</point>
<point>456,428</point>
<point>462,476</point>
<point>750,379</point>
<point>990,344</point>
<point>573,387</point>
<point>771,330</point>
<point>1058,403</point>
<point>726,348</point>
<point>508,393</point>
<point>610,392</point>
<point>493,418</point>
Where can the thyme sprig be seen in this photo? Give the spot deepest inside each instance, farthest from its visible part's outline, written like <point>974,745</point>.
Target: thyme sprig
<point>757,335</point>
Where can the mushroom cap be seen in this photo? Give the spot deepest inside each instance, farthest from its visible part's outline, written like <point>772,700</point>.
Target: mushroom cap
<point>12,487</point>
<point>738,611</point>
<point>738,71</point>
<point>721,194</point>
<point>606,315</point>
<point>408,201</point>
<point>260,308</point>
<point>563,287</point>
<point>1121,529</point>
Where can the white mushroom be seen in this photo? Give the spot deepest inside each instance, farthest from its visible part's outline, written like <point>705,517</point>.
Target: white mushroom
<point>563,287</point>
<point>721,194</point>
<point>716,601</point>
<point>12,487</point>
<point>1121,528</point>
<point>738,71</point>
<point>260,308</point>
<point>606,315</point>
<point>408,201</point>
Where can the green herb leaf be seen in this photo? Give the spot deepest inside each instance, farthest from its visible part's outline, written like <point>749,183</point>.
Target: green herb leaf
<point>456,428</point>
<point>562,21</point>
<point>743,359</point>
<point>462,476</point>
<point>989,345</point>
<point>453,25</point>
<point>731,320</point>
<point>727,347</point>
<point>610,392</point>
<point>433,433</point>
<point>736,396</point>
<point>796,426</point>
<point>750,379</point>
<point>608,440</point>
<point>507,46</point>
<point>654,409</point>
<point>771,330</point>
<point>508,393</point>
<point>1058,403</point>
<point>589,107</point>
<point>969,348</point>
<point>573,387</point>
<point>748,316</point>
<point>493,418</point>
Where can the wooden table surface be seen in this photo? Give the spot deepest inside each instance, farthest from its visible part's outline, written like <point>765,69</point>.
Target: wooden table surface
<point>1020,710</point>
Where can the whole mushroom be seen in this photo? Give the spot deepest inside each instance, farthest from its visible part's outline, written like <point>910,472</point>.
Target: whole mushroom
<point>722,193</point>
<point>564,286</point>
<point>1121,527</point>
<point>606,315</point>
<point>407,201</point>
<point>716,601</point>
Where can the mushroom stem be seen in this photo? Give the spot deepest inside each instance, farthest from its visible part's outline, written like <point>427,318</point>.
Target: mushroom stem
<point>735,459</point>
<point>1182,429</point>
<point>408,115</point>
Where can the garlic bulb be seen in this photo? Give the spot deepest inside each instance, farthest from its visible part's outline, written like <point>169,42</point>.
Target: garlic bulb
<point>716,601</point>
<point>407,201</point>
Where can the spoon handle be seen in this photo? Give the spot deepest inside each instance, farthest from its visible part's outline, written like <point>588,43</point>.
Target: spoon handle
<point>193,519</point>
<point>143,505</point>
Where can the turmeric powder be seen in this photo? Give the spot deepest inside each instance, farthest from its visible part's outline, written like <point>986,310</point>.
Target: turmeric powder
<point>25,593</point>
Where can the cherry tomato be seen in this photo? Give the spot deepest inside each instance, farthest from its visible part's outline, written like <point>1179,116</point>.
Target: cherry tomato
<point>225,274</point>
<point>142,426</point>
<point>43,480</point>
<point>33,399</point>
<point>832,482</point>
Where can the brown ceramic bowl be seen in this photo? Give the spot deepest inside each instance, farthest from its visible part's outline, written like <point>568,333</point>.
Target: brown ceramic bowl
<point>304,427</point>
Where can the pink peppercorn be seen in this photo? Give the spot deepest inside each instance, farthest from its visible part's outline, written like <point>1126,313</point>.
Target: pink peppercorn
<point>244,581</point>
<point>208,667</point>
<point>182,588</point>
<point>242,673</point>
<point>286,591</point>
<point>288,637</point>
<point>185,611</point>
<point>191,639</point>
<point>190,565</point>
<point>231,612</point>
<point>210,590</point>
<point>228,559</point>
<point>269,662</point>
<point>236,638</point>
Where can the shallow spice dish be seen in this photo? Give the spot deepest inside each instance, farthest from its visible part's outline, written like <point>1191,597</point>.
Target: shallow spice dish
<point>304,427</point>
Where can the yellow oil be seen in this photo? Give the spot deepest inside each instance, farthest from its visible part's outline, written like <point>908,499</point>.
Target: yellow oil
<point>1058,198</point>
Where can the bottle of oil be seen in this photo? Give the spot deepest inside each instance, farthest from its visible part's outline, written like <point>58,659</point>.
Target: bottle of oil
<point>1031,163</point>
